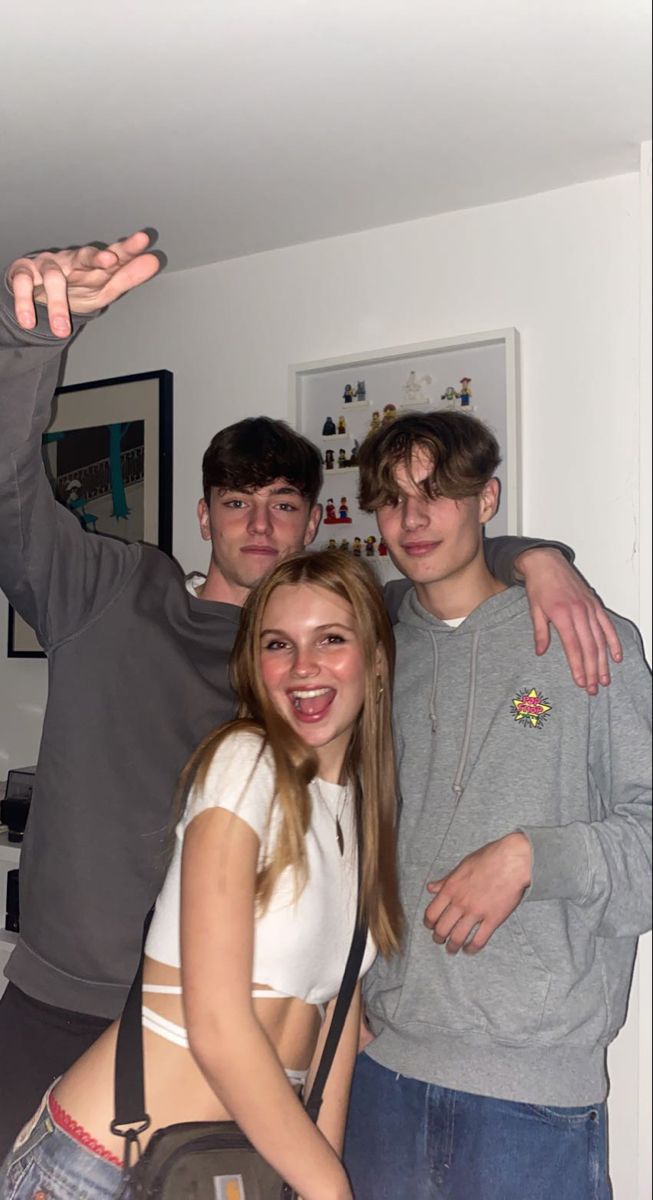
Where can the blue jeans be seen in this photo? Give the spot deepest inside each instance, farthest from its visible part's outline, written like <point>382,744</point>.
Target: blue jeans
<point>48,1161</point>
<point>422,1142</point>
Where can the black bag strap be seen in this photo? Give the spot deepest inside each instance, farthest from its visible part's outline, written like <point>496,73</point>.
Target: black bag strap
<point>131,1119</point>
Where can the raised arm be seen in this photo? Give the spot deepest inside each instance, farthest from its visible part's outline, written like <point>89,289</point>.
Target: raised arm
<point>228,1042</point>
<point>52,572</point>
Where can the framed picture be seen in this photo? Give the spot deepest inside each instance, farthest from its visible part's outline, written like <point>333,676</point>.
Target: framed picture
<point>108,455</point>
<point>337,402</point>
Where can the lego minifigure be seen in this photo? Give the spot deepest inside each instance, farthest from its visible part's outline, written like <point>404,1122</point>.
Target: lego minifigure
<point>465,393</point>
<point>389,413</point>
<point>342,425</point>
<point>329,427</point>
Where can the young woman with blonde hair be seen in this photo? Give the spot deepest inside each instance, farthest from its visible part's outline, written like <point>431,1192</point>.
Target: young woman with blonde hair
<point>253,925</point>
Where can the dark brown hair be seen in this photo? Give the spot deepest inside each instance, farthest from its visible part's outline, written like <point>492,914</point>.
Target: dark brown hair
<point>369,764</point>
<point>254,452</point>
<point>464,452</point>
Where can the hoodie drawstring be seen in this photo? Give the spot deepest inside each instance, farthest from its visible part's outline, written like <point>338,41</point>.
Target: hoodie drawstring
<point>434,689</point>
<point>471,697</point>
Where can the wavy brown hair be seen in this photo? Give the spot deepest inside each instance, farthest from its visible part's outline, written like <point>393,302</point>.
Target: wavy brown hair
<point>369,764</point>
<point>464,452</point>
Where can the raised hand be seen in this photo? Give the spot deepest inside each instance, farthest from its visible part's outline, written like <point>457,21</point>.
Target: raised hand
<point>78,281</point>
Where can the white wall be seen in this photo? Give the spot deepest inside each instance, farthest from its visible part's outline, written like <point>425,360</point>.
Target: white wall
<point>563,267</point>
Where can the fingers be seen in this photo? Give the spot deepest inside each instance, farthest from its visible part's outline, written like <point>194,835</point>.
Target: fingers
<point>41,280</point>
<point>79,281</point>
<point>571,644</point>
<point>21,278</point>
<point>610,634</point>
<point>480,938</point>
<point>540,629</point>
<point>460,934</point>
<point>130,247</point>
<point>55,287</point>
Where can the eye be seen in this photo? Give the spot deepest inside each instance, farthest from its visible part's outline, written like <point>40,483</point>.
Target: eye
<point>275,644</point>
<point>286,506</point>
<point>234,504</point>
<point>334,639</point>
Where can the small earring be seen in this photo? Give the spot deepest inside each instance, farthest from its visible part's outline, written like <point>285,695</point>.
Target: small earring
<point>380,692</point>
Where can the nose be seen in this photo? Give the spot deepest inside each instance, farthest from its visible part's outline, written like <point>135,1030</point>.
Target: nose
<point>259,519</point>
<point>305,663</point>
<point>413,513</point>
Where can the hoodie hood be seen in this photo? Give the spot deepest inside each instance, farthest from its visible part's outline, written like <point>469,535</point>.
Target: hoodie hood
<point>494,611</point>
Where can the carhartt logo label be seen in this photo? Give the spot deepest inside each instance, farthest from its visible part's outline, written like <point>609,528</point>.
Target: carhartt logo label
<point>530,709</point>
<point>229,1187</point>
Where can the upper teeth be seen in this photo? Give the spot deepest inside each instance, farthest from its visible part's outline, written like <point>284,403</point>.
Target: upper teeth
<point>309,694</point>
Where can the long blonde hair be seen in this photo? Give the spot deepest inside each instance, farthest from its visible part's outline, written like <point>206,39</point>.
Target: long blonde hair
<point>369,763</point>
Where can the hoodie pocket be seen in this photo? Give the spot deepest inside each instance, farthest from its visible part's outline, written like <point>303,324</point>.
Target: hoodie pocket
<point>501,991</point>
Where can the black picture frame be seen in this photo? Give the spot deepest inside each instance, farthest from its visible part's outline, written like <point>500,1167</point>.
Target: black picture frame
<point>134,411</point>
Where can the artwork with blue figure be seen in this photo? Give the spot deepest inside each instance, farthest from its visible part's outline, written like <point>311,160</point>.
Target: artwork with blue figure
<point>98,473</point>
<point>121,509</point>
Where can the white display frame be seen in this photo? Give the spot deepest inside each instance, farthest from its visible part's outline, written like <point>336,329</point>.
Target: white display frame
<point>495,398</point>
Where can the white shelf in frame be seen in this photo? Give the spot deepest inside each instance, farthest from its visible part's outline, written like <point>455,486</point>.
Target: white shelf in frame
<point>490,359</point>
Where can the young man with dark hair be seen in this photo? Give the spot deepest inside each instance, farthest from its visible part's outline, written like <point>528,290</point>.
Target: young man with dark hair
<point>145,654</point>
<point>524,855</point>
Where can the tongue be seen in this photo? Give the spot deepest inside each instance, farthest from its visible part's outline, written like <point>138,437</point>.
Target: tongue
<point>313,706</point>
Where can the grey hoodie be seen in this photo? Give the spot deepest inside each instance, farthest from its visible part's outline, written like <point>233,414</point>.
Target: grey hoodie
<point>491,739</point>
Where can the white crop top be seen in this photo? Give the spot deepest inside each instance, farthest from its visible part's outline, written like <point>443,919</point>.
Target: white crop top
<point>300,946</point>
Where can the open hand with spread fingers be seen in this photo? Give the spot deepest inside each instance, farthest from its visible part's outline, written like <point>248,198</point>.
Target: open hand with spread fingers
<point>78,281</point>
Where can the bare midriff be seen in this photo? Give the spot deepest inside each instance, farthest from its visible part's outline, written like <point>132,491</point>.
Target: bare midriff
<point>175,1087</point>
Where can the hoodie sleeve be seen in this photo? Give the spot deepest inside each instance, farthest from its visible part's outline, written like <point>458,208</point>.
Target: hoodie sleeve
<point>604,866</point>
<point>57,576</point>
<point>501,552</point>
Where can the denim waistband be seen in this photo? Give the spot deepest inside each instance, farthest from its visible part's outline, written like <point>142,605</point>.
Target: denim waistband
<point>62,1162</point>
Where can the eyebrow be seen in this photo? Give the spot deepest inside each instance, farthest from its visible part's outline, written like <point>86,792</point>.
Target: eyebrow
<point>318,628</point>
<point>285,490</point>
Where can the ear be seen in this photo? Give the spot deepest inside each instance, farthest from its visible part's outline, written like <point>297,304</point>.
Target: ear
<point>204,519</point>
<point>313,524</point>
<point>489,500</point>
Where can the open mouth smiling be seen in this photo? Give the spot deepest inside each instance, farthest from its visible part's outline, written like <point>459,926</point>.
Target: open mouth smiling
<point>311,704</point>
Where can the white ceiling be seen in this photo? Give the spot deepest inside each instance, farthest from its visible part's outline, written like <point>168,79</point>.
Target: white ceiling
<point>235,126</point>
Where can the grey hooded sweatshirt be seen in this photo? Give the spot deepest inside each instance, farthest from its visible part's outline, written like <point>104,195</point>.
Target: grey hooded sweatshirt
<point>492,739</point>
